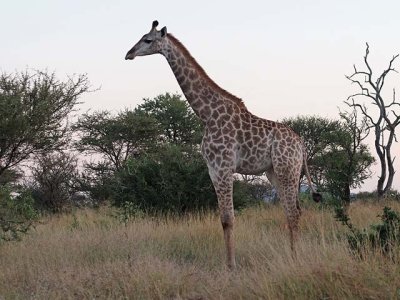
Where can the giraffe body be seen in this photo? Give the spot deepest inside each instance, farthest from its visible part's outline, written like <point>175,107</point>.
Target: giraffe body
<point>235,140</point>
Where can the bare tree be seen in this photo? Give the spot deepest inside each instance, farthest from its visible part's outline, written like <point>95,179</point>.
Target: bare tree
<point>383,122</point>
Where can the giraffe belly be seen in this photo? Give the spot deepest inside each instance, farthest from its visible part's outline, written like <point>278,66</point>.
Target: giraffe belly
<point>252,165</point>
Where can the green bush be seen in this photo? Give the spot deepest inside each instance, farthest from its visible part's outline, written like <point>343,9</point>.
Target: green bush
<point>170,180</point>
<point>17,214</point>
<point>383,237</point>
<point>245,194</point>
<point>54,180</point>
<point>128,211</point>
<point>97,180</point>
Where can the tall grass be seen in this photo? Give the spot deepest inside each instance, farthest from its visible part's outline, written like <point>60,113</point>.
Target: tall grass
<point>89,254</point>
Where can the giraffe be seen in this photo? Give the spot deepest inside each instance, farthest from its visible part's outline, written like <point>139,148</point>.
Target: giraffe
<point>235,140</point>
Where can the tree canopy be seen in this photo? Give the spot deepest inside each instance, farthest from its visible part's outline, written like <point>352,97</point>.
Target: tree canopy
<point>34,110</point>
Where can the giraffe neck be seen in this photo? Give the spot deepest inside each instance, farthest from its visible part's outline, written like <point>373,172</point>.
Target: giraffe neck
<point>203,94</point>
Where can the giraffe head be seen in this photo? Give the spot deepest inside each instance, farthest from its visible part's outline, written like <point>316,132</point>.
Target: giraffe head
<point>150,43</point>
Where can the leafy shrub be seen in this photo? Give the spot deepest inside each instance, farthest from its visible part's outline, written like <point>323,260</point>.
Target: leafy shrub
<point>367,195</point>
<point>393,194</point>
<point>128,211</point>
<point>247,194</point>
<point>17,214</point>
<point>383,237</point>
<point>54,180</point>
<point>97,180</point>
<point>169,180</point>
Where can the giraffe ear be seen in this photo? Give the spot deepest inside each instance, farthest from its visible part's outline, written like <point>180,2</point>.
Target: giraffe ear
<point>163,31</point>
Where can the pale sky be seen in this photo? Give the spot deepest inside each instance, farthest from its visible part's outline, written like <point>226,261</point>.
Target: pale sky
<point>283,58</point>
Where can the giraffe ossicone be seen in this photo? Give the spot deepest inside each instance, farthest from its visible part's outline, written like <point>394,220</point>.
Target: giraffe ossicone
<point>235,140</point>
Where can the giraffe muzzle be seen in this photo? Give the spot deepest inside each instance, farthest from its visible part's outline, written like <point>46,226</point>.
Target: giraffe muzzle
<point>129,56</point>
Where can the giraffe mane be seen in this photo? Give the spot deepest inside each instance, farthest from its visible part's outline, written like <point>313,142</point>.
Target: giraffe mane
<point>203,73</point>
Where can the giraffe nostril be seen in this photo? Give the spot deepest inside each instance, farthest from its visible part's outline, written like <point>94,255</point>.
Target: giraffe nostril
<point>130,55</point>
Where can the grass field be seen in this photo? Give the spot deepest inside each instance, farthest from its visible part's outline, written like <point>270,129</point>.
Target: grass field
<point>89,254</point>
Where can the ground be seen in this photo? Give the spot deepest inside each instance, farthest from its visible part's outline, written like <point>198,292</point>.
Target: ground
<point>90,254</point>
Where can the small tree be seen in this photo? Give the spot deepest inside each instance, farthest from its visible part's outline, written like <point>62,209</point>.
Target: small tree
<point>54,180</point>
<point>347,160</point>
<point>115,138</point>
<point>178,123</point>
<point>337,155</point>
<point>33,114</point>
<point>97,179</point>
<point>383,121</point>
<point>17,213</point>
<point>317,133</point>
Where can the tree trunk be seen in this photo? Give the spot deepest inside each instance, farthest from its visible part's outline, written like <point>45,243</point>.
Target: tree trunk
<point>382,161</point>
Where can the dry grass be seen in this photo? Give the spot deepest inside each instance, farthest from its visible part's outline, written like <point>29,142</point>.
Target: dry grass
<point>90,255</point>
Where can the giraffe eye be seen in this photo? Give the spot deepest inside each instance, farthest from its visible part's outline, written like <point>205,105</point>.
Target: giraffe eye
<point>147,41</point>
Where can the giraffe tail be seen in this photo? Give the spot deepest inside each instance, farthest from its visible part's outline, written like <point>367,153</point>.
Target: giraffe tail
<point>317,197</point>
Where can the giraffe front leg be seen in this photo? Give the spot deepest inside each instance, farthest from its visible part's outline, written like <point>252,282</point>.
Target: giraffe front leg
<point>223,185</point>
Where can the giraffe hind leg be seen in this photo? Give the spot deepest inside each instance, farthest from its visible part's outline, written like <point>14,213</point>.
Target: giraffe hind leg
<point>288,195</point>
<point>290,202</point>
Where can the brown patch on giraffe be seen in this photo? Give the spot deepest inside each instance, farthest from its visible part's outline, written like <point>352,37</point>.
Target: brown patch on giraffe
<point>205,99</point>
<point>289,140</point>
<point>229,109</point>
<point>226,130</point>
<point>221,109</point>
<point>246,149</point>
<point>236,122</point>
<point>246,125</point>
<point>185,85</point>
<point>182,61</point>
<point>219,140</point>
<point>215,115</point>
<point>214,104</point>
<point>240,136</point>
<point>223,120</point>
<point>193,75</point>
<point>247,135</point>
<point>196,87</point>
<point>206,111</point>
<point>197,104</point>
<point>218,160</point>
<point>229,126</point>
<point>211,156</point>
<point>211,123</point>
